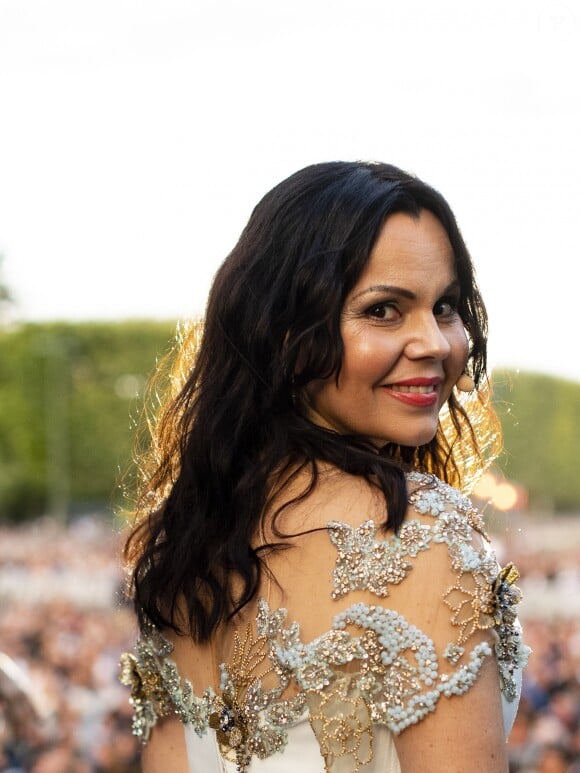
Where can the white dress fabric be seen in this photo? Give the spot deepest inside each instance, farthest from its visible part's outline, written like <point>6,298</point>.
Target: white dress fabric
<point>334,703</point>
<point>302,753</point>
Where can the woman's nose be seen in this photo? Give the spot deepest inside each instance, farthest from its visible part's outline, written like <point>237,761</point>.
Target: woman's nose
<point>427,340</point>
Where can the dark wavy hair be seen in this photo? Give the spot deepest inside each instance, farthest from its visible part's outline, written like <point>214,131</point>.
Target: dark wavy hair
<point>230,438</point>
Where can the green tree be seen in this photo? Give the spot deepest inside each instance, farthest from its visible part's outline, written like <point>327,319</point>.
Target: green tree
<point>540,416</point>
<point>70,396</point>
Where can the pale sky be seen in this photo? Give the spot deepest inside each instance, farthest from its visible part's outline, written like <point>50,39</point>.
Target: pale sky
<point>137,135</point>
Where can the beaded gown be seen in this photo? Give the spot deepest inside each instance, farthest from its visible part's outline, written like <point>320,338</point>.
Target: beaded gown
<point>362,634</point>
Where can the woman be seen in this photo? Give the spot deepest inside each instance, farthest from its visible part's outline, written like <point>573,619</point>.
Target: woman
<point>327,601</point>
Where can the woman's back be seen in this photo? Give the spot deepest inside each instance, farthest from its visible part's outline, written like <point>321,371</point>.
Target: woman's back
<point>357,640</point>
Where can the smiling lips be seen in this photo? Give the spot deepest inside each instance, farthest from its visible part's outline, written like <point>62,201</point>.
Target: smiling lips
<point>419,392</point>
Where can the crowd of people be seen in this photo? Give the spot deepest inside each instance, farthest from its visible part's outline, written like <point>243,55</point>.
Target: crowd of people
<point>64,621</point>
<point>546,734</point>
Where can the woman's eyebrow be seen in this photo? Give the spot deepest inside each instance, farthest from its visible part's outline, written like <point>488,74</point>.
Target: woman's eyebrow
<point>390,289</point>
<point>394,290</point>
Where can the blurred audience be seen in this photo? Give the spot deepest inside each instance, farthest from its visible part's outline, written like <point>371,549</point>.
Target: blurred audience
<point>64,623</point>
<point>546,734</point>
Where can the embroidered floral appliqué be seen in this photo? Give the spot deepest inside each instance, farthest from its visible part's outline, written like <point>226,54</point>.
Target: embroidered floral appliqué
<point>367,563</point>
<point>395,676</point>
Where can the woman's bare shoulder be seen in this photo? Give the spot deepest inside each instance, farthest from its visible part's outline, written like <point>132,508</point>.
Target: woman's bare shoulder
<point>303,504</point>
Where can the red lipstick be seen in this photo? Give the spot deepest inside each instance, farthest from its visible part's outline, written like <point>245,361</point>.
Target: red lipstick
<point>420,392</point>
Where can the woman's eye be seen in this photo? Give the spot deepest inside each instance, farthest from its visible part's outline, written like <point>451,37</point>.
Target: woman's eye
<point>384,311</point>
<point>445,308</point>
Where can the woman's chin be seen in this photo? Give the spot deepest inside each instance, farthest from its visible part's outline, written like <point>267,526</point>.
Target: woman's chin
<point>410,439</point>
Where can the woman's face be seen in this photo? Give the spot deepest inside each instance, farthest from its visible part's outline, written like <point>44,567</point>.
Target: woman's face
<point>404,343</point>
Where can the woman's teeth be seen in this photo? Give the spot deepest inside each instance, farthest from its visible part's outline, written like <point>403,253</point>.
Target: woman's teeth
<point>422,390</point>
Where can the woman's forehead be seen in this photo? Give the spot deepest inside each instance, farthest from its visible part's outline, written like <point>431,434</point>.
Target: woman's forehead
<point>409,248</point>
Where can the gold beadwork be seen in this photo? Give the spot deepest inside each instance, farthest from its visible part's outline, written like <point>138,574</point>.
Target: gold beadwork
<point>340,719</point>
<point>471,608</point>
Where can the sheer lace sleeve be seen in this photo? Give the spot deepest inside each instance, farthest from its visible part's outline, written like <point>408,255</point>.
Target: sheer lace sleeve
<point>442,591</point>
